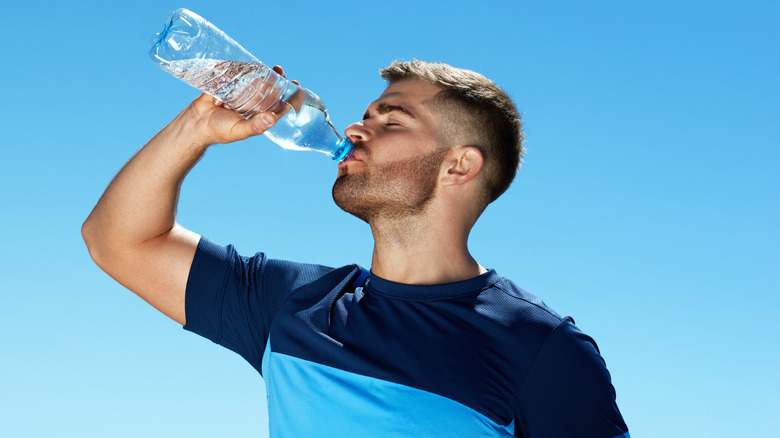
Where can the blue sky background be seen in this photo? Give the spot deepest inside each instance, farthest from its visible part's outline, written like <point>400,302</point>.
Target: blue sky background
<point>647,207</point>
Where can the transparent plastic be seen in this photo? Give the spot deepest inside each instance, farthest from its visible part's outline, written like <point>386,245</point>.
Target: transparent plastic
<point>197,52</point>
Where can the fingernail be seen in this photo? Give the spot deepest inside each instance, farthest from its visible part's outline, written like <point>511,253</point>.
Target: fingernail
<point>267,119</point>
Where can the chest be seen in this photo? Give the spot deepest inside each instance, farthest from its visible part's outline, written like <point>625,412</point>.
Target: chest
<point>454,348</point>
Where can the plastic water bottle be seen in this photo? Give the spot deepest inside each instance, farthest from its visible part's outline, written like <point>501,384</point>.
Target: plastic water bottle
<point>195,51</point>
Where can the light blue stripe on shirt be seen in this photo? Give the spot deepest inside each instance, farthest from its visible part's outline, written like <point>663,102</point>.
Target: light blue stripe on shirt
<point>310,399</point>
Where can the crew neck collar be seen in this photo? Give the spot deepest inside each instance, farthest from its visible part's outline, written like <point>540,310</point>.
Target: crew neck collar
<point>436,291</point>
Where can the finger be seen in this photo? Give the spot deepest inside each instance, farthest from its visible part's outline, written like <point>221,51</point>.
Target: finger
<point>243,129</point>
<point>262,122</point>
<point>202,98</point>
<point>278,69</point>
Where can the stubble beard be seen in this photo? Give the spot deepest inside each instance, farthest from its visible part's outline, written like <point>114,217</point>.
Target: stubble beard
<point>396,190</point>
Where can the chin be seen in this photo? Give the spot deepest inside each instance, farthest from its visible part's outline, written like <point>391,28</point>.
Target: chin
<point>348,196</point>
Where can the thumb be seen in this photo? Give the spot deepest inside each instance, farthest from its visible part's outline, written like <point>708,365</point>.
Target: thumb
<point>243,129</point>
<point>262,122</point>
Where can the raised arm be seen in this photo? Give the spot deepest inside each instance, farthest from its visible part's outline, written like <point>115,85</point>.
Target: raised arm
<point>132,233</point>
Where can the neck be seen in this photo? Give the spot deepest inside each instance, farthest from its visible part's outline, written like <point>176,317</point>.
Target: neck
<point>422,250</point>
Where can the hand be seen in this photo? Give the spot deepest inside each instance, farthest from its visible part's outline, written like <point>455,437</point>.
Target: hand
<point>213,123</point>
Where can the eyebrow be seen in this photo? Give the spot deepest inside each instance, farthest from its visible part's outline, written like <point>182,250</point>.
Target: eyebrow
<point>384,108</point>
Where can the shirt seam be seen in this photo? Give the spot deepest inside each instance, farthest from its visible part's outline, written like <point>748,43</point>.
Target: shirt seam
<point>289,296</point>
<point>222,295</point>
<point>537,305</point>
<point>519,387</point>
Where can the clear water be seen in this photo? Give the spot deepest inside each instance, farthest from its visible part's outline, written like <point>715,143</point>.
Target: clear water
<point>250,88</point>
<point>245,87</point>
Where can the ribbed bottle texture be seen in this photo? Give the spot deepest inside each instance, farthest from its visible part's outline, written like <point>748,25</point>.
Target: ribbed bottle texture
<point>197,52</point>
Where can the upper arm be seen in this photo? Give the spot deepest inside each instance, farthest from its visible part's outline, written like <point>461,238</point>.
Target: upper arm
<point>568,391</point>
<point>157,270</point>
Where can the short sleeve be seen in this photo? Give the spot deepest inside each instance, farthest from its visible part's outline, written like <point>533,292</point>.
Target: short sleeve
<point>231,299</point>
<point>568,391</point>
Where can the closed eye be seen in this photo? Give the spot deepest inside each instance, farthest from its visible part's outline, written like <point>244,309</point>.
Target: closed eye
<point>385,108</point>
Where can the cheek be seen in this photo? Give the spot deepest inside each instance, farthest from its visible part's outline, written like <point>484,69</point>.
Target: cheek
<point>402,147</point>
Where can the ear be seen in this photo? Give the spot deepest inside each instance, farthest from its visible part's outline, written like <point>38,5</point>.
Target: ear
<point>461,165</point>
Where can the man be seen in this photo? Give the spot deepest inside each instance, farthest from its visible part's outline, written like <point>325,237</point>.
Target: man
<point>429,343</point>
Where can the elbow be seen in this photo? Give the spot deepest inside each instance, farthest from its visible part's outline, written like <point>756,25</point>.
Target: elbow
<point>90,235</point>
<point>87,234</point>
<point>86,229</point>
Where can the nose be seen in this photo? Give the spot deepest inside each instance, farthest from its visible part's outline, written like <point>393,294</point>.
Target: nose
<point>357,132</point>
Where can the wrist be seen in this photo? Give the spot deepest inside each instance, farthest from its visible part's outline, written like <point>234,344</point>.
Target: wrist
<point>190,128</point>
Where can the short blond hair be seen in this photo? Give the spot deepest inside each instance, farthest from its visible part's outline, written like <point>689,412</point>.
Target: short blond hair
<point>475,110</point>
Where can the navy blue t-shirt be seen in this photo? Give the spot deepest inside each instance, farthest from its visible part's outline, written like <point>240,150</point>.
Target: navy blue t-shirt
<point>343,355</point>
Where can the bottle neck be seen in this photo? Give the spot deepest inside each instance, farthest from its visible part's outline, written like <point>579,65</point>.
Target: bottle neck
<point>344,151</point>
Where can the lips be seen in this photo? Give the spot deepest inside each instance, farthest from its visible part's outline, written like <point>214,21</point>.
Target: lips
<point>356,156</point>
<point>344,165</point>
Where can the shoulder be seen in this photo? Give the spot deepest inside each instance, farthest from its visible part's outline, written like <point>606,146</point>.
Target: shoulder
<point>564,387</point>
<point>525,299</point>
<point>553,332</point>
<point>519,309</point>
<point>298,274</point>
<point>212,257</point>
<point>568,390</point>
